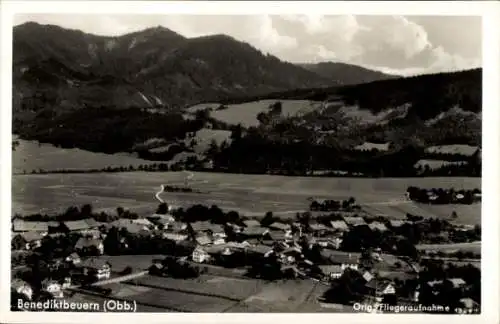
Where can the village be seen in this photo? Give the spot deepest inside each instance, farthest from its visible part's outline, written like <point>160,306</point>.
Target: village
<point>362,258</point>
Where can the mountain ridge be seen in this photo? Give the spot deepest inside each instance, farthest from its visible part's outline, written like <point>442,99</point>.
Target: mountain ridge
<point>157,61</point>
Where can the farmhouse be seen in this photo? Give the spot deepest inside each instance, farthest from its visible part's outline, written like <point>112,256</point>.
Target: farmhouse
<point>345,260</point>
<point>354,221</point>
<point>81,226</point>
<point>175,236</point>
<point>53,288</point>
<point>203,240</point>
<point>339,225</point>
<point>331,271</point>
<point>89,246</point>
<point>200,255</point>
<point>22,287</point>
<point>27,240</point>
<point>96,267</point>
<point>379,288</point>
<point>19,225</point>
<point>260,250</point>
<point>254,231</point>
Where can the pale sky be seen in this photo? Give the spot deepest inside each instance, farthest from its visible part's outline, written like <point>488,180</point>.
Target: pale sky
<point>395,44</point>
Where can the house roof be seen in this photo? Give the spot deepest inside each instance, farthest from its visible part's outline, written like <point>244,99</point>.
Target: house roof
<point>175,236</point>
<point>336,257</point>
<point>254,230</point>
<point>339,225</point>
<point>397,222</point>
<point>318,227</point>
<point>94,263</point>
<point>129,225</point>
<point>203,240</point>
<point>457,282</point>
<point>31,236</point>
<point>327,269</point>
<point>280,226</point>
<point>92,222</point>
<point>354,221</point>
<point>142,221</point>
<point>77,225</point>
<point>260,249</point>
<point>378,226</point>
<point>87,242</point>
<point>251,223</point>
<point>177,226</point>
<point>215,249</point>
<point>201,226</point>
<point>20,225</point>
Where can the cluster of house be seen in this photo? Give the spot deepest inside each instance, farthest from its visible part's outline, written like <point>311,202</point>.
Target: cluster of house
<point>210,242</point>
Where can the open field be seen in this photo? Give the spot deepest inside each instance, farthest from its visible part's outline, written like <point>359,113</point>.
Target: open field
<point>252,195</point>
<point>246,113</point>
<point>223,287</point>
<point>30,156</point>
<point>474,247</point>
<point>205,136</point>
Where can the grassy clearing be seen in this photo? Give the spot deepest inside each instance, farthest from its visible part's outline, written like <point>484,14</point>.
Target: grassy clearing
<point>29,155</point>
<point>474,247</point>
<point>453,149</point>
<point>224,287</point>
<point>246,113</point>
<point>436,164</point>
<point>205,136</point>
<point>283,296</point>
<point>250,194</point>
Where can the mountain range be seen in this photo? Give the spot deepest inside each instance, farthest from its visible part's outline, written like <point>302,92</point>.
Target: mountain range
<point>155,67</point>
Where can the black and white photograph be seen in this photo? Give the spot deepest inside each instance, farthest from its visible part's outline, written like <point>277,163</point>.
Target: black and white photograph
<point>193,162</point>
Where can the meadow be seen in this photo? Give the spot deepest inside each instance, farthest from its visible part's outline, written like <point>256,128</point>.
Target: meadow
<point>246,113</point>
<point>252,195</point>
<point>31,155</point>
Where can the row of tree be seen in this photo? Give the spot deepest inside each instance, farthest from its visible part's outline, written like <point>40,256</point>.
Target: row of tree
<point>443,196</point>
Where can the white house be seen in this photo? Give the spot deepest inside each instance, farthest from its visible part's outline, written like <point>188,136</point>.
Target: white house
<point>53,288</point>
<point>331,271</point>
<point>199,255</point>
<point>96,267</point>
<point>23,288</point>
